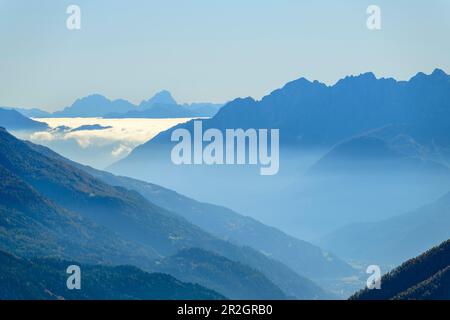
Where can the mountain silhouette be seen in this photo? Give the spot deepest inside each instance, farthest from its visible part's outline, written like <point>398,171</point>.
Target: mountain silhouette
<point>163,97</point>
<point>13,120</point>
<point>410,118</point>
<point>94,105</point>
<point>161,105</point>
<point>312,113</point>
<point>90,127</point>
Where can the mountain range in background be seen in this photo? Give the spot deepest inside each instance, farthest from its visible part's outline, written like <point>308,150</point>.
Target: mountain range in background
<point>409,119</point>
<point>314,114</point>
<point>354,157</point>
<point>161,105</point>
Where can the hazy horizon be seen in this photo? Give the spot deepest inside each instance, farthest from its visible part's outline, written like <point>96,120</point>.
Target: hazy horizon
<point>206,52</point>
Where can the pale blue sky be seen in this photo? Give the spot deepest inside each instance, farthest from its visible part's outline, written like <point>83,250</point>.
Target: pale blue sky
<point>208,50</point>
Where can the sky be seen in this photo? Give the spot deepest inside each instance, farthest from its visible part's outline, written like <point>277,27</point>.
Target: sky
<point>205,50</point>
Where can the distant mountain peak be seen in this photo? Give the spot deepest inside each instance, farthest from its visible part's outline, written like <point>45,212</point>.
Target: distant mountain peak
<point>298,83</point>
<point>439,72</point>
<point>161,97</point>
<point>95,105</point>
<point>244,100</point>
<point>369,75</point>
<point>120,100</point>
<point>94,96</point>
<point>366,75</point>
<point>89,99</point>
<point>436,74</point>
<point>363,78</point>
<point>163,92</point>
<point>241,103</point>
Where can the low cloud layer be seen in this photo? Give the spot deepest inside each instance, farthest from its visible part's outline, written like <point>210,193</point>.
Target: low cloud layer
<point>115,141</point>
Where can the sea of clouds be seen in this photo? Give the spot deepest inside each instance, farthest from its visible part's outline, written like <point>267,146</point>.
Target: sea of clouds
<point>99,146</point>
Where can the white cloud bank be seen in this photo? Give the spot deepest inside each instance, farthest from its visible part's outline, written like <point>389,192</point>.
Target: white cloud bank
<point>118,140</point>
